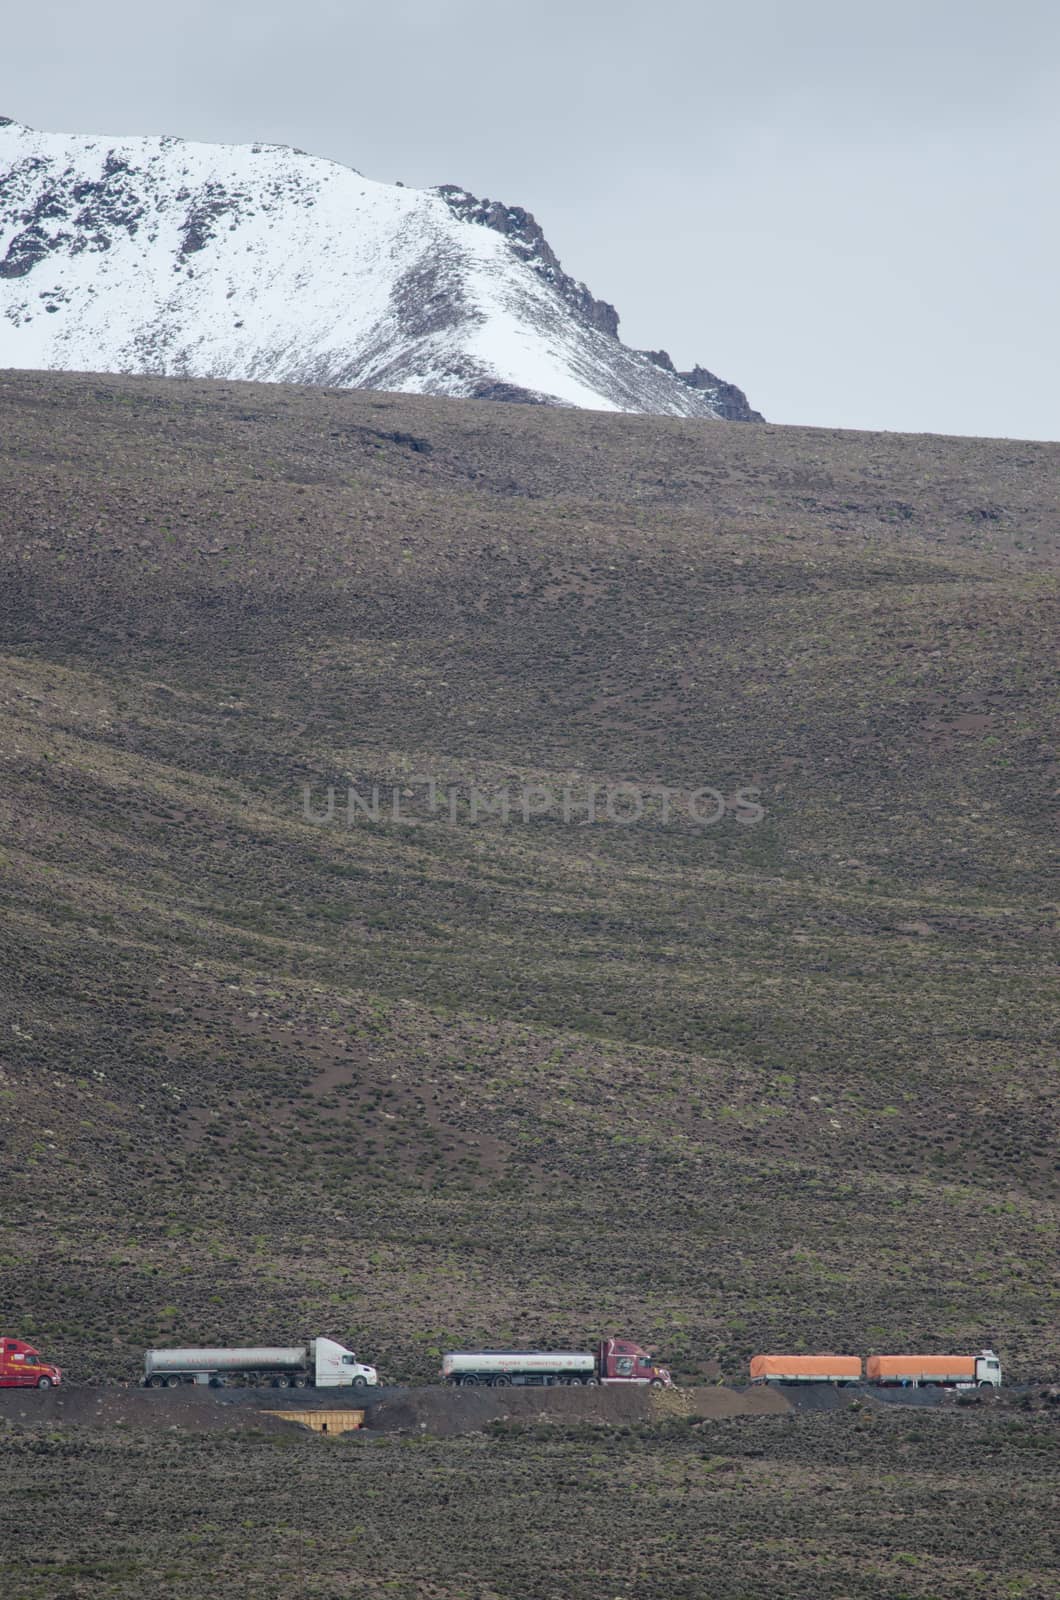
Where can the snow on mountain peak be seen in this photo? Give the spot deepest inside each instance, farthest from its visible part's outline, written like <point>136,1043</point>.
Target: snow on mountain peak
<point>162,255</point>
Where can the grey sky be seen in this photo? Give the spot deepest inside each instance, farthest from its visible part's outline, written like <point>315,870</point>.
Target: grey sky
<point>849,210</point>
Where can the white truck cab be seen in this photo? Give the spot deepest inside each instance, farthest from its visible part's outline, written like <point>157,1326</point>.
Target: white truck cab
<point>987,1370</point>
<point>334,1366</point>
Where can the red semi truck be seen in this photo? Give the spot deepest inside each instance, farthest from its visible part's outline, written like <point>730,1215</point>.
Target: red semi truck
<point>21,1367</point>
<point>614,1361</point>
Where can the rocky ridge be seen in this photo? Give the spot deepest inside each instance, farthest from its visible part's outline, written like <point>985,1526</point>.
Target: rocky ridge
<point>162,256</point>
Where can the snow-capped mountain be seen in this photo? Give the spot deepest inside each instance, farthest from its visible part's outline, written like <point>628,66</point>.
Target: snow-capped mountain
<point>158,255</point>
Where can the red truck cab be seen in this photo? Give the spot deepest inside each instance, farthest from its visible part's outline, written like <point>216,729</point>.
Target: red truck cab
<point>21,1367</point>
<point>621,1361</point>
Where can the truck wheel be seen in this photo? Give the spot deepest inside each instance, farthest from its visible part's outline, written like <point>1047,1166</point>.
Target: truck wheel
<point>469,1381</point>
<point>986,1384</point>
<point>299,1383</point>
<point>502,1382</point>
<point>155,1382</point>
<point>591,1383</point>
<point>657,1383</point>
<point>44,1383</point>
<point>360,1382</point>
<point>282,1382</point>
<point>174,1382</point>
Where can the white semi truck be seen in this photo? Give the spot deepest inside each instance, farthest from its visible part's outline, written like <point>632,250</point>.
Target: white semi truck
<point>320,1364</point>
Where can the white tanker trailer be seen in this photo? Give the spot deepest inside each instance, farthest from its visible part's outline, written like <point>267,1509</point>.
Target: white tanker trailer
<point>614,1361</point>
<point>499,1367</point>
<point>322,1364</point>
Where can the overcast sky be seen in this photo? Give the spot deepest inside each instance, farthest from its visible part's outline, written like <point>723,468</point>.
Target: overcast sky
<point>848,209</point>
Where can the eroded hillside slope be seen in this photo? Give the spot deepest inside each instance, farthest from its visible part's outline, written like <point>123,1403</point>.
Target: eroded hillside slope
<point>414,1081</point>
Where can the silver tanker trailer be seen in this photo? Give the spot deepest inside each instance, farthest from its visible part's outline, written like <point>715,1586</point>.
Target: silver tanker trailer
<point>321,1364</point>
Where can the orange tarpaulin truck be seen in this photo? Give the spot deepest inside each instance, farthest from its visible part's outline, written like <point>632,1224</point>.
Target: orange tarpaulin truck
<point>806,1369</point>
<point>962,1372</point>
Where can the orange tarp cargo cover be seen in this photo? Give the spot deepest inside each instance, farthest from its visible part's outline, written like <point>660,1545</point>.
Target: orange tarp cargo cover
<point>806,1367</point>
<point>920,1367</point>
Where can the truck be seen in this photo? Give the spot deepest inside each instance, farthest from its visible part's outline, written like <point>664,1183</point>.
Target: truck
<point>806,1369</point>
<point>960,1372</point>
<point>321,1364</point>
<point>22,1367</point>
<point>614,1361</point>
<point>982,1371</point>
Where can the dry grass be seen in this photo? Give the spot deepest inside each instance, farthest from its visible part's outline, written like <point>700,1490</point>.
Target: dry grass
<point>751,1086</point>
<point>893,1506</point>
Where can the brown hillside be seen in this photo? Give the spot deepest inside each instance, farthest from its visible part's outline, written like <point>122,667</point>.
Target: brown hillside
<point>787,1084</point>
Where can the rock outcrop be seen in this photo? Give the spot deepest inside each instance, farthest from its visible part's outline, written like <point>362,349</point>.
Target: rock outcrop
<point>158,255</point>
